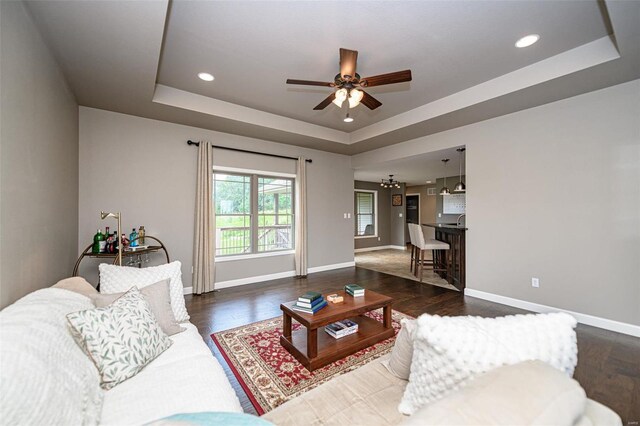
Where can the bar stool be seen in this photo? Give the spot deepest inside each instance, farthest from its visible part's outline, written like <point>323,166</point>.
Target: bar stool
<point>423,245</point>
<point>412,240</point>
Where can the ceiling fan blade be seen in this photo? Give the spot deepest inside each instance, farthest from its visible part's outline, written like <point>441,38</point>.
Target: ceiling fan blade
<point>348,61</point>
<point>382,79</point>
<point>327,101</point>
<point>369,101</point>
<point>309,83</point>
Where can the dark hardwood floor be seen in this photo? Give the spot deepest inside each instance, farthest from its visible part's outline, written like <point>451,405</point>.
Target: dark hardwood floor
<point>608,363</point>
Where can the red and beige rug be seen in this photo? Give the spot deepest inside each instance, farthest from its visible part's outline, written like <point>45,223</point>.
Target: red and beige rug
<point>270,375</point>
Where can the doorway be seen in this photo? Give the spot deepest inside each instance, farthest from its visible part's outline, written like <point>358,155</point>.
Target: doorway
<point>413,208</point>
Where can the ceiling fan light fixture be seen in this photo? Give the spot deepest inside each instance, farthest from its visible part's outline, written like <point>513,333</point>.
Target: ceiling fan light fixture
<point>341,96</point>
<point>527,40</point>
<point>205,76</point>
<point>355,96</point>
<point>348,119</point>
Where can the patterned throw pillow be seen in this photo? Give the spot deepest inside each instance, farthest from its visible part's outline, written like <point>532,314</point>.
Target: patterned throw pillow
<point>450,351</point>
<point>116,279</point>
<point>120,339</point>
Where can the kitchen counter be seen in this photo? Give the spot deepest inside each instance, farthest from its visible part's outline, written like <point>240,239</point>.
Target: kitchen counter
<point>445,225</point>
<point>452,260</point>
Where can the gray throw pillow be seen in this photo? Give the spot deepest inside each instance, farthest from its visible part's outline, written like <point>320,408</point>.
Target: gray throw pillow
<point>399,363</point>
<point>158,297</point>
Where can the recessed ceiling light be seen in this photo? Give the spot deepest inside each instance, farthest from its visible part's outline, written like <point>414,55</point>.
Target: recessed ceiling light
<point>205,76</point>
<point>348,119</point>
<point>527,40</point>
<point>428,181</point>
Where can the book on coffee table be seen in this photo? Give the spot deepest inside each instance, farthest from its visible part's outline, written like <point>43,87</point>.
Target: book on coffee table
<point>342,328</point>
<point>309,297</point>
<point>313,310</point>
<point>354,290</point>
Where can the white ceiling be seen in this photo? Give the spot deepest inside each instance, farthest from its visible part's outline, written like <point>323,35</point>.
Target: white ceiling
<point>415,170</point>
<point>142,57</point>
<point>449,46</point>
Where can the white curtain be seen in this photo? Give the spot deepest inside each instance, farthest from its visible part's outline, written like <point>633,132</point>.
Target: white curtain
<point>204,243</point>
<point>301,218</point>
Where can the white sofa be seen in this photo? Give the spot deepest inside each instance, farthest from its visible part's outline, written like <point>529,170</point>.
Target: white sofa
<point>370,395</point>
<point>44,378</point>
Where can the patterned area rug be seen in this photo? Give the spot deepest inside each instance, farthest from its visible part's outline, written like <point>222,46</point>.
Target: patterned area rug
<point>396,262</point>
<point>270,375</point>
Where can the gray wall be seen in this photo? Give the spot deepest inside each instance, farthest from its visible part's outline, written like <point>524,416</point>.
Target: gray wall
<point>384,217</point>
<point>390,224</point>
<point>554,194</point>
<point>39,161</point>
<point>150,178</point>
<point>427,207</point>
<point>398,219</point>
<point>451,183</point>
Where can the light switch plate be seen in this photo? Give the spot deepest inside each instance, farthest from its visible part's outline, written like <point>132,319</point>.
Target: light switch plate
<point>535,282</point>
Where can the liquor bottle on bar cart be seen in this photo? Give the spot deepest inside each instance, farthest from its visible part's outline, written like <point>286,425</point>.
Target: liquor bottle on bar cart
<point>141,234</point>
<point>133,237</point>
<point>124,241</point>
<point>98,243</point>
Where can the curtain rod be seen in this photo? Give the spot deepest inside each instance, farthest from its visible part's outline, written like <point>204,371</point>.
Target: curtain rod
<point>190,142</point>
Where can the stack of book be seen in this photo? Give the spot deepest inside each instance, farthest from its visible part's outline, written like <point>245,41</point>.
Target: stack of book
<point>341,328</point>
<point>354,290</point>
<point>310,303</point>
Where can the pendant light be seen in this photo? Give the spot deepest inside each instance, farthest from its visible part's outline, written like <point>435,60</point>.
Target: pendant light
<point>445,190</point>
<point>460,187</point>
<point>390,183</point>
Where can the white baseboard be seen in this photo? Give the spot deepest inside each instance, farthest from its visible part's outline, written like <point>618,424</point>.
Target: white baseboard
<point>607,324</point>
<point>268,277</point>
<point>250,280</point>
<point>331,267</point>
<point>360,250</point>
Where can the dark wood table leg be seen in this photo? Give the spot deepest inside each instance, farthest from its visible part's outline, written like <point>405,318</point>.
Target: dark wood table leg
<point>312,343</point>
<point>286,326</point>
<point>387,316</point>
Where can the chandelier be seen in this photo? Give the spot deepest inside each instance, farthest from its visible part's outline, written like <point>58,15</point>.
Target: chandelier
<point>390,183</point>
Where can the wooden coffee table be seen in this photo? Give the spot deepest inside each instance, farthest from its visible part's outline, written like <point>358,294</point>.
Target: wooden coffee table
<point>314,348</point>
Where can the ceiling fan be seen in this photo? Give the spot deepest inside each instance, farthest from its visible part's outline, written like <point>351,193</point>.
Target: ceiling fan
<point>350,84</point>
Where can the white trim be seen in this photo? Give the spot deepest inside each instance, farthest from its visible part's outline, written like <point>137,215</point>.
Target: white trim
<point>331,267</point>
<point>221,259</point>
<point>360,250</point>
<point>375,212</point>
<point>252,171</point>
<point>252,280</point>
<point>278,275</point>
<point>607,324</point>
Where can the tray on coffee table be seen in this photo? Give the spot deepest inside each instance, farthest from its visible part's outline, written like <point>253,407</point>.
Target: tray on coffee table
<point>314,348</point>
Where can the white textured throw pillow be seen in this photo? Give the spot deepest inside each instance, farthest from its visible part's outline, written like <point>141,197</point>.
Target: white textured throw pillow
<point>116,279</point>
<point>449,351</point>
<point>121,339</point>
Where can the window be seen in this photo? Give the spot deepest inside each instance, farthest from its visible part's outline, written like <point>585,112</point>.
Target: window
<point>275,214</point>
<point>365,208</point>
<point>254,214</point>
